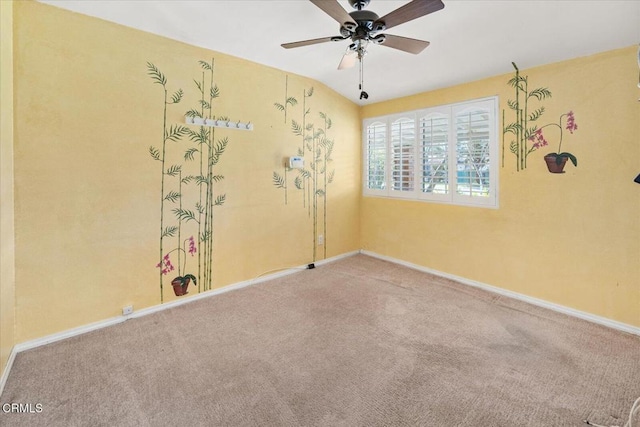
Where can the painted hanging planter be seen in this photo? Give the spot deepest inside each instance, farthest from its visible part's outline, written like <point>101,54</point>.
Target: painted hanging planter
<point>181,284</point>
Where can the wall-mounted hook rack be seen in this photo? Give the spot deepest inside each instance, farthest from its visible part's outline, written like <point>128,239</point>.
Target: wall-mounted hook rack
<point>199,121</point>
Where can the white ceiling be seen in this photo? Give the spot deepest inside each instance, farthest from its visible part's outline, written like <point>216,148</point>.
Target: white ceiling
<point>470,39</point>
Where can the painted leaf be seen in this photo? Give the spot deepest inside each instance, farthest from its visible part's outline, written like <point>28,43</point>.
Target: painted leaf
<point>217,178</point>
<point>199,208</point>
<point>536,114</point>
<point>516,81</point>
<point>305,173</point>
<point>571,157</point>
<point>332,174</point>
<point>296,128</point>
<point>218,149</point>
<point>330,144</point>
<point>175,132</point>
<point>169,231</point>
<point>204,104</point>
<point>177,97</point>
<point>187,179</point>
<point>512,128</point>
<point>198,85</point>
<point>188,155</point>
<point>540,93</point>
<point>185,214</point>
<point>220,200</point>
<point>278,180</point>
<point>155,74</point>
<point>155,153</point>
<point>192,113</point>
<point>320,192</point>
<point>172,196</point>
<point>214,92</point>
<point>174,170</point>
<point>204,65</point>
<point>280,107</point>
<point>513,147</point>
<point>530,131</point>
<point>292,101</point>
<point>513,104</point>
<point>221,145</point>
<point>309,92</point>
<point>298,182</point>
<point>201,137</point>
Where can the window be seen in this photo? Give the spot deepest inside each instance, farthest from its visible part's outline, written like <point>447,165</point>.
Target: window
<point>445,154</point>
<point>376,150</point>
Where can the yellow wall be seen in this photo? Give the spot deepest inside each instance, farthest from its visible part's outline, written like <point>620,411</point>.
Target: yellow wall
<point>7,259</point>
<point>88,192</point>
<point>571,239</point>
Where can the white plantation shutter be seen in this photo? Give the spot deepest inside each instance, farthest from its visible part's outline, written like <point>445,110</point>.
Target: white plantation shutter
<point>376,156</point>
<point>445,154</point>
<point>434,144</point>
<point>403,137</point>
<point>475,129</point>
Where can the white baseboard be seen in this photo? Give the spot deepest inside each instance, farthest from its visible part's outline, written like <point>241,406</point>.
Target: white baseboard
<point>521,297</point>
<point>7,369</point>
<point>28,345</point>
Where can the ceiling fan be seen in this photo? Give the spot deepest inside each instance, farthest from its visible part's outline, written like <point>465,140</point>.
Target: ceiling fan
<point>364,26</point>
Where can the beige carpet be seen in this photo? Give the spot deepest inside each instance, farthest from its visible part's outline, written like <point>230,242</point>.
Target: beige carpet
<point>358,342</point>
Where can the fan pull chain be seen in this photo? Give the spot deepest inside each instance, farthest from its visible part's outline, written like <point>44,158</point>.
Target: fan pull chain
<point>363,94</point>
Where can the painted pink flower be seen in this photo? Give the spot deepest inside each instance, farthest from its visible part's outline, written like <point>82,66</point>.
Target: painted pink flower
<point>192,246</point>
<point>538,139</point>
<point>571,122</point>
<point>165,265</point>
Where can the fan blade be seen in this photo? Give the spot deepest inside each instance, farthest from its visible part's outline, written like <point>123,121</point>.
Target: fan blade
<point>348,60</point>
<point>337,12</point>
<point>405,44</point>
<point>410,11</point>
<point>307,42</point>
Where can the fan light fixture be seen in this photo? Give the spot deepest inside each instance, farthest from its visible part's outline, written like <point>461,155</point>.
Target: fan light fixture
<point>363,26</point>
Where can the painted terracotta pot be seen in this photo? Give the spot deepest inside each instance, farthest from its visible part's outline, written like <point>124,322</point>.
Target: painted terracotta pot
<point>180,286</point>
<point>553,166</point>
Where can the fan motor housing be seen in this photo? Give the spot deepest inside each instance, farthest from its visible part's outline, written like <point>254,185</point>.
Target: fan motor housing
<point>364,18</point>
<point>366,21</point>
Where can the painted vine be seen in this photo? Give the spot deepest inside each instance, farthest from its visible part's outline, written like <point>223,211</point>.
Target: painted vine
<point>314,179</point>
<point>524,126</point>
<point>187,190</point>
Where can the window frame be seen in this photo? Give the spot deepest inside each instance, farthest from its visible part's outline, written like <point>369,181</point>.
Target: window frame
<point>450,111</point>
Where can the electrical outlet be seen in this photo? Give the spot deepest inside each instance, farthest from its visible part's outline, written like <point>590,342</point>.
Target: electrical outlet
<point>127,310</point>
<point>320,240</point>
